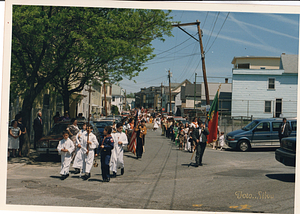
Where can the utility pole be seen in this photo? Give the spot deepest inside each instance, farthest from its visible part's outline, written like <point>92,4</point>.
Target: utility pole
<point>203,64</point>
<point>105,106</point>
<point>125,101</point>
<point>195,92</point>
<point>170,109</point>
<point>161,88</point>
<point>202,53</point>
<point>90,91</point>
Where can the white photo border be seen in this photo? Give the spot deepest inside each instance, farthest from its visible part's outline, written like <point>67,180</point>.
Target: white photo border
<point>251,7</point>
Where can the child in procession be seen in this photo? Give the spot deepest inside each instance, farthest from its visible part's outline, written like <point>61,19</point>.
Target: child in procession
<point>78,161</point>
<point>117,161</point>
<point>105,150</point>
<point>65,149</point>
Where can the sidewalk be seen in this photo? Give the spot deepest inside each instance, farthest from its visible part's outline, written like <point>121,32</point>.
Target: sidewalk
<point>21,161</point>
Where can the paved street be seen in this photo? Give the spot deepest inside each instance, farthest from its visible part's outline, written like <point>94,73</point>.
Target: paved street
<point>163,179</point>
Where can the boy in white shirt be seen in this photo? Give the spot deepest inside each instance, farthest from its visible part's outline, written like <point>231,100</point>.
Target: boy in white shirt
<point>65,148</point>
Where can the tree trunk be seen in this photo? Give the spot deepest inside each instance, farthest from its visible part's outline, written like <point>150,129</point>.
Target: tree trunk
<point>66,101</point>
<point>26,115</point>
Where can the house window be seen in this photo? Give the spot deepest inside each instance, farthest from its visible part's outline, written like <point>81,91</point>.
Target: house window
<point>244,66</point>
<point>267,106</point>
<point>113,99</point>
<point>271,83</point>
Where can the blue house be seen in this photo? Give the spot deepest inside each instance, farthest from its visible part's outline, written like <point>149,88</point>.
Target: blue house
<point>264,87</point>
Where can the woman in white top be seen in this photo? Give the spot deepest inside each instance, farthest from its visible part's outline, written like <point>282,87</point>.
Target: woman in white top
<point>13,138</point>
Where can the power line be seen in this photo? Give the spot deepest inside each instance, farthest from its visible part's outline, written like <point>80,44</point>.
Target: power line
<point>172,59</point>
<point>173,47</point>
<point>218,32</point>
<point>205,19</point>
<point>212,29</point>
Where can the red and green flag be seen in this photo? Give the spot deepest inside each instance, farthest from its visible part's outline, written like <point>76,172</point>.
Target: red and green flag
<point>212,118</point>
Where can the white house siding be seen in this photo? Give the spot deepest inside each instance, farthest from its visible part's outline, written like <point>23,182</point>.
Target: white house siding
<point>250,91</point>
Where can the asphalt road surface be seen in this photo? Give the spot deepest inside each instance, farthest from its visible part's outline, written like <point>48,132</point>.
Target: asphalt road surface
<point>164,179</point>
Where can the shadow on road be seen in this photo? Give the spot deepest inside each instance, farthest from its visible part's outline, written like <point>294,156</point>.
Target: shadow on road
<point>54,176</point>
<point>290,177</point>
<point>188,165</point>
<point>130,156</point>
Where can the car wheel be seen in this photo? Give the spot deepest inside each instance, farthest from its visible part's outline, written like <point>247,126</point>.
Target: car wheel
<point>244,146</point>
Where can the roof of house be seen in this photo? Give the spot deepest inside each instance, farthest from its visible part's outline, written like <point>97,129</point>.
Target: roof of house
<point>289,63</point>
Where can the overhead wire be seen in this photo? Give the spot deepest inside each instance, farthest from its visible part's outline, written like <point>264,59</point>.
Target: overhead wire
<point>218,32</point>
<point>212,29</point>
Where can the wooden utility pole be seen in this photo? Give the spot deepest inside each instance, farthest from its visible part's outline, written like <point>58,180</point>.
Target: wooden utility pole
<point>105,106</point>
<point>170,109</point>
<point>89,110</point>
<point>125,101</point>
<point>161,88</point>
<point>195,92</point>
<point>202,53</point>
<point>203,64</point>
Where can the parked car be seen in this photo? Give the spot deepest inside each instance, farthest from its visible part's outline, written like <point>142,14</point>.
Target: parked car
<point>258,133</point>
<point>117,118</point>
<point>286,154</point>
<point>49,143</point>
<point>101,125</point>
<point>181,119</point>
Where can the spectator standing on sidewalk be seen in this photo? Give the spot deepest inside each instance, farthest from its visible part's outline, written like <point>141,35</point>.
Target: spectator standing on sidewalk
<point>13,138</point>
<point>285,130</point>
<point>23,132</point>
<point>38,128</point>
<point>221,141</point>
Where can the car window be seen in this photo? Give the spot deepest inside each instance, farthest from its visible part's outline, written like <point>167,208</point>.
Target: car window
<point>101,124</point>
<point>250,126</point>
<point>263,127</point>
<point>294,125</point>
<point>276,126</point>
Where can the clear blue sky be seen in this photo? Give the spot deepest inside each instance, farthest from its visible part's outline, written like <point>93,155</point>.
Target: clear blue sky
<point>242,34</point>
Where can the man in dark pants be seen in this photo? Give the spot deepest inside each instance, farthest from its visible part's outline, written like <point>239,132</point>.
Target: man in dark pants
<point>38,128</point>
<point>285,130</point>
<point>199,135</point>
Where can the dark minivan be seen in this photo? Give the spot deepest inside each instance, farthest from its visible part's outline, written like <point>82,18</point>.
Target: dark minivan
<point>259,133</point>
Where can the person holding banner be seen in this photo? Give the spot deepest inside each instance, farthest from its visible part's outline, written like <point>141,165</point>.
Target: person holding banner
<point>141,131</point>
<point>199,135</point>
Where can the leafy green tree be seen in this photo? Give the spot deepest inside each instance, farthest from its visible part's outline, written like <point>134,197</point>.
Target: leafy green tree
<point>69,46</point>
<point>114,110</point>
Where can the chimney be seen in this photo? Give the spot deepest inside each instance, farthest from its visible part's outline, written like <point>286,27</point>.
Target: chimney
<point>283,54</point>
<point>226,80</point>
